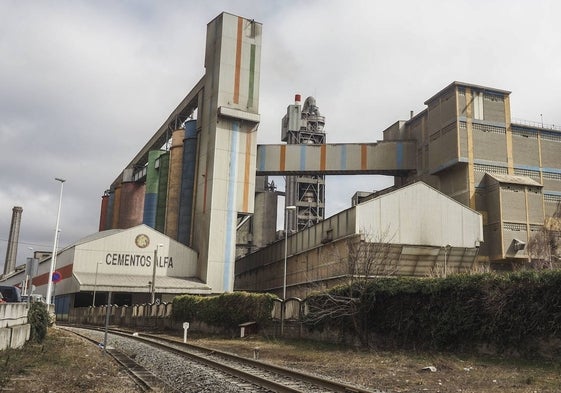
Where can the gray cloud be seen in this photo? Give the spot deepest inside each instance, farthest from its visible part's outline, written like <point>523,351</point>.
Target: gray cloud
<point>85,84</point>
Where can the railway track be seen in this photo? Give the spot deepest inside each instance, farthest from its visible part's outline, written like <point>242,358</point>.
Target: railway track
<point>249,375</point>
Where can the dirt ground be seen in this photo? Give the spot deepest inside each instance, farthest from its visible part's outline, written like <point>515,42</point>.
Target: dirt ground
<point>65,363</point>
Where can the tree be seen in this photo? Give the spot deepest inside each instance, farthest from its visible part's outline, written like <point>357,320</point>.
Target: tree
<point>543,248</point>
<point>351,302</point>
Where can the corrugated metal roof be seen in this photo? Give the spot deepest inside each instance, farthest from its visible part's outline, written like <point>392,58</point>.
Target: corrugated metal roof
<point>514,179</point>
<point>132,283</point>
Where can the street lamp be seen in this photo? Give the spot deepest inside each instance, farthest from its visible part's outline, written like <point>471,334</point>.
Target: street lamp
<point>286,210</point>
<point>53,255</point>
<point>154,273</point>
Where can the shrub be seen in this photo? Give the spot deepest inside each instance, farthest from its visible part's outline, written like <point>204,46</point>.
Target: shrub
<point>38,318</point>
<point>509,311</point>
<point>227,310</point>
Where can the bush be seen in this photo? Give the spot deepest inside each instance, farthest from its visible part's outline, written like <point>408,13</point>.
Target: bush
<point>227,310</point>
<point>509,311</point>
<point>38,318</point>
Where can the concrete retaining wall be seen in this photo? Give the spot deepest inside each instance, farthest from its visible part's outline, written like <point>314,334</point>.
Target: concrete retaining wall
<point>14,329</point>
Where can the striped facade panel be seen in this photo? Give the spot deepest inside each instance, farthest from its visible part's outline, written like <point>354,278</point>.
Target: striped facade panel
<point>351,158</point>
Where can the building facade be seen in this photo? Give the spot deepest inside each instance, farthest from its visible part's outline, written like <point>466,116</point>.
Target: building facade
<point>469,148</point>
<point>413,231</point>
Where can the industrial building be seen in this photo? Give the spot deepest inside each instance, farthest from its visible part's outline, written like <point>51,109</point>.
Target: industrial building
<point>304,125</point>
<point>468,147</point>
<point>412,231</point>
<point>202,173</point>
<point>120,261</point>
<point>201,182</point>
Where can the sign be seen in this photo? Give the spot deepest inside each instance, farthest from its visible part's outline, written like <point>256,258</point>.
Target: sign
<point>185,328</point>
<point>56,277</point>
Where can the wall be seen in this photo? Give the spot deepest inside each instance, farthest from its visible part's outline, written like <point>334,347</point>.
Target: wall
<point>14,329</point>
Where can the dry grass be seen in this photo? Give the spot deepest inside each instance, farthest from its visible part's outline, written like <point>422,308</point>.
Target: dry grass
<point>401,371</point>
<point>63,363</point>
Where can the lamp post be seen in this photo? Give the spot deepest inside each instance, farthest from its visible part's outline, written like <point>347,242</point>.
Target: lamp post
<point>154,273</point>
<point>53,255</point>
<point>286,210</point>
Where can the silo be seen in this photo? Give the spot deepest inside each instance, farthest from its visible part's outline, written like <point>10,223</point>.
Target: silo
<point>13,239</point>
<point>152,182</point>
<point>174,183</point>
<point>162,192</point>
<point>132,204</point>
<point>187,182</point>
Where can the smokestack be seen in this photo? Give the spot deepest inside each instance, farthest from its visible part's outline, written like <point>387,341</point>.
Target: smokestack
<point>297,99</point>
<point>12,250</point>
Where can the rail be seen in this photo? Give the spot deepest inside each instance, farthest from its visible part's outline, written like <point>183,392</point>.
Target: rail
<point>262,374</point>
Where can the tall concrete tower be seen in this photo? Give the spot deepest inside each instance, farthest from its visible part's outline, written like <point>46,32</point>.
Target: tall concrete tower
<point>12,250</point>
<point>304,125</point>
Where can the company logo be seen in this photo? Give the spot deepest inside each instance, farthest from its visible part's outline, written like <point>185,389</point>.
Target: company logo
<point>142,240</point>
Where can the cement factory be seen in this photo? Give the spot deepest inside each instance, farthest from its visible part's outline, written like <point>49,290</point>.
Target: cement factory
<point>195,212</point>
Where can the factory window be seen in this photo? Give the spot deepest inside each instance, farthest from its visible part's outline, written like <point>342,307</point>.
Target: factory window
<point>552,198</point>
<point>490,169</point>
<point>478,105</point>
<point>463,125</point>
<point>525,133</point>
<point>552,175</point>
<point>527,172</point>
<point>494,97</point>
<point>510,226</point>
<point>550,136</point>
<point>535,228</point>
<point>489,128</point>
<point>511,188</point>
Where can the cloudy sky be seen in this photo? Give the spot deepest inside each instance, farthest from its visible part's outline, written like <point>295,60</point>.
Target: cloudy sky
<point>84,84</point>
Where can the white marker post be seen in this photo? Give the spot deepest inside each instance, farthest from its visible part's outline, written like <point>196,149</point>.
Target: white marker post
<point>185,328</point>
